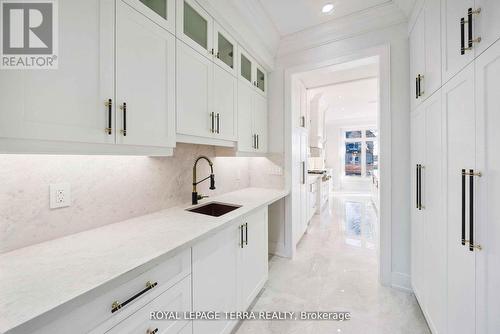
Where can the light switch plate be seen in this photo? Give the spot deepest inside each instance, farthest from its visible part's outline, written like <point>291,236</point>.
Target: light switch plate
<point>60,195</point>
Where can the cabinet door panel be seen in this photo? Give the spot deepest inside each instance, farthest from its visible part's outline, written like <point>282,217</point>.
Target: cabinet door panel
<point>418,136</point>
<point>194,27</point>
<point>72,107</point>
<point>488,190</point>
<point>434,237</point>
<point>432,76</point>
<point>162,12</point>
<point>260,122</point>
<point>261,80</point>
<point>253,265</point>
<point>225,49</point>
<point>194,92</point>
<point>245,117</point>
<point>225,106</point>
<point>417,57</point>
<point>451,13</point>
<point>487,24</point>
<point>145,57</point>
<point>458,106</point>
<point>246,68</point>
<point>215,285</point>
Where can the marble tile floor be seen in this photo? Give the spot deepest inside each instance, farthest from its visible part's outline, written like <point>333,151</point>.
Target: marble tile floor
<point>336,269</point>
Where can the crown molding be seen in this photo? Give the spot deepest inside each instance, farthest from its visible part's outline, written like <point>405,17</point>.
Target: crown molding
<point>343,28</point>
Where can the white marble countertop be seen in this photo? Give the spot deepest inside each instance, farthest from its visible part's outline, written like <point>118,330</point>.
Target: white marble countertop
<point>45,277</point>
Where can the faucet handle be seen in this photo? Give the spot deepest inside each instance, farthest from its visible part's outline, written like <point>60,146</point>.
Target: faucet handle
<point>202,196</point>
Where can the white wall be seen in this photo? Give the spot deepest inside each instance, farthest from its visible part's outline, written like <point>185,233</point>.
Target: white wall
<point>396,37</point>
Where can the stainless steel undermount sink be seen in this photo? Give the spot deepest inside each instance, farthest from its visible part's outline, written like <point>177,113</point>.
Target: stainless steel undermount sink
<point>214,209</point>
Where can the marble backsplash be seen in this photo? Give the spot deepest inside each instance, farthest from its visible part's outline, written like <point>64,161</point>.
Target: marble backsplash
<point>108,189</point>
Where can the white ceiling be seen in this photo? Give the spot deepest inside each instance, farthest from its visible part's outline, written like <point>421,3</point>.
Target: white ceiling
<point>351,100</point>
<point>290,16</point>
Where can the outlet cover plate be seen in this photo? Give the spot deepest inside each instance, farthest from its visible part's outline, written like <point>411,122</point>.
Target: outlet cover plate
<point>60,195</point>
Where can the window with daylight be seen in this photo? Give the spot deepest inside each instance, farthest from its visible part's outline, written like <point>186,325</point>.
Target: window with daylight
<point>361,152</point>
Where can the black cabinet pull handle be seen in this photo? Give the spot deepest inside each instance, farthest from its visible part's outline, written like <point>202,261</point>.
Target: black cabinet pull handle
<point>420,187</point>
<point>218,123</point>
<point>246,233</point>
<point>471,210</point>
<point>462,36</point>
<point>117,305</point>
<point>463,206</point>
<point>420,92</point>
<point>124,108</point>
<point>212,119</point>
<point>109,104</point>
<point>469,24</point>
<point>258,142</point>
<point>416,88</point>
<point>241,236</point>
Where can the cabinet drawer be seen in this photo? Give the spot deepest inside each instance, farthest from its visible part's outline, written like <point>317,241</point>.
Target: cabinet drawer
<point>175,299</point>
<point>98,312</point>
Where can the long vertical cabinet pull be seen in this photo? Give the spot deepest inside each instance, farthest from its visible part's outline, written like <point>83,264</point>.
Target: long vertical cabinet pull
<point>257,146</point>
<point>241,237</point>
<point>218,123</point>
<point>109,129</point>
<point>246,234</point>
<point>212,120</point>
<point>463,206</point>
<point>462,36</point>
<point>416,186</point>
<point>124,109</point>
<point>420,92</point>
<point>416,88</point>
<point>470,22</point>
<point>303,172</point>
<point>420,187</point>
<point>471,210</point>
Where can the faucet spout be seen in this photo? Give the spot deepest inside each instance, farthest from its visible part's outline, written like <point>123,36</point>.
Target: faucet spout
<point>194,195</point>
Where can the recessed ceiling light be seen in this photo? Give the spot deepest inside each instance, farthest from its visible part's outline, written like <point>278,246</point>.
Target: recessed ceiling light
<point>327,9</point>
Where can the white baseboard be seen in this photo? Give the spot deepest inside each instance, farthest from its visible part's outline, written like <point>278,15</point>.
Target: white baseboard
<point>401,281</point>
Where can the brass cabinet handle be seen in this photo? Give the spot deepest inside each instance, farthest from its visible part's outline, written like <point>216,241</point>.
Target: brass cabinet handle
<point>116,305</point>
<point>109,104</point>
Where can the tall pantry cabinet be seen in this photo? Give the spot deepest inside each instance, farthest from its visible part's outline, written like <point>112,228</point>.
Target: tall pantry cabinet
<point>455,223</point>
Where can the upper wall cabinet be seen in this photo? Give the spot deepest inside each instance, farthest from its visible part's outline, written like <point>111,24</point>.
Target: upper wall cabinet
<point>469,28</point>
<point>425,53</point>
<point>78,108</point>
<point>195,27</point>
<point>224,49</point>
<point>251,73</point>
<point>162,12</point>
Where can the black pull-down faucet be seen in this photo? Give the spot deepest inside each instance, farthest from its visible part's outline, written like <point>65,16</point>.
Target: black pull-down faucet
<point>194,196</point>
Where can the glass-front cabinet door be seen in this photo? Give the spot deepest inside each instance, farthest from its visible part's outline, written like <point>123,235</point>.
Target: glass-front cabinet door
<point>225,49</point>
<point>260,80</point>
<point>162,12</point>
<point>246,67</point>
<point>194,27</point>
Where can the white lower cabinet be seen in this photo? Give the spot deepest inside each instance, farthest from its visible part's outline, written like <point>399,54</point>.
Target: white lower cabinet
<point>229,270</point>
<point>177,298</point>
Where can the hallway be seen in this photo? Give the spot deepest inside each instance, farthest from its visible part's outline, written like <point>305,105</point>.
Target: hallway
<point>335,269</point>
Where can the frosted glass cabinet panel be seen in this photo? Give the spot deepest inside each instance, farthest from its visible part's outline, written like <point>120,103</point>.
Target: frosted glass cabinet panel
<point>260,81</point>
<point>161,12</point>
<point>246,68</point>
<point>225,49</point>
<point>194,27</point>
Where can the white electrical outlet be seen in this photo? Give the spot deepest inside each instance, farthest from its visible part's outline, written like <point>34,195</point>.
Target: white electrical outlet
<point>60,195</point>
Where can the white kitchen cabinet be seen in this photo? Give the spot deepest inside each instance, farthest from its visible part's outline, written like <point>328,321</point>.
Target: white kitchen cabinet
<point>225,89</point>
<point>145,116</point>
<point>195,27</point>
<point>487,24</point>
<point>175,299</point>
<point>487,229</point>
<point>161,12</point>
<point>229,270</point>
<point>428,224</point>
<point>253,262</point>
<point>252,120</point>
<point>67,104</point>
<point>225,49</point>
<point>251,73</point>
<point>79,108</point>
<point>453,58</point>
<point>215,277</point>
<point>425,53</point>
<point>459,109</point>
<point>194,92</point>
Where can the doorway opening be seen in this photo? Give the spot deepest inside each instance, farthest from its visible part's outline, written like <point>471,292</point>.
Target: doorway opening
<point>340,126</point>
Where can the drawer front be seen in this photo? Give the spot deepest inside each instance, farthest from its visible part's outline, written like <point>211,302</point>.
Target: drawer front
<point>177,298</point>
<point>98,312</point>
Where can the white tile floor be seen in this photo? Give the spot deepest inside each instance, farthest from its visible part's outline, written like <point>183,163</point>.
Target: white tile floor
<point>336,270</point>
